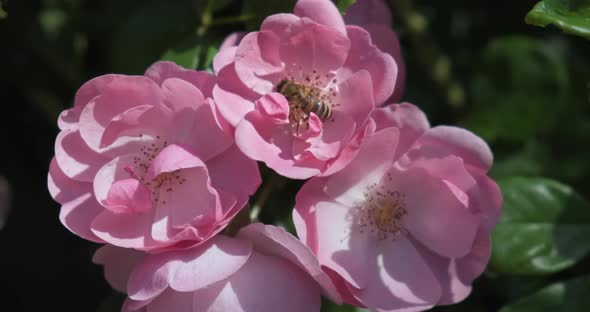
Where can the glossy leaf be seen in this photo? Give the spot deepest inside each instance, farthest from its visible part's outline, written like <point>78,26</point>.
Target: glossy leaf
<point>543,229</point>
<point>572,16</point>
<point>570,295</point>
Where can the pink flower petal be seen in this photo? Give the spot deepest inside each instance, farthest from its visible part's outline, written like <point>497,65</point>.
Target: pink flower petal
<point>188,270</point>
<point>181,96</point>
<point>118,264</point>
<point>304,216</point>
<point>489,201</point>
<point>133,122</point>
<point>274,105</point>
<point>232,40</point>
<point>365,55</point>
<point>235,173</point>
<point>76,159</point>
<point>172,158</point>
<point>79,207</point>
<point>306,45</point>
<point>163,70</point>
<point>452,171</point>
<point>334,136</point>
<point>409,119</point>
<point>387,41</point>
<point>460,142</point>
<point>194,115</point>
<point>370,164</point>
<point>261,139</point>
<point>125,230</point>
<point>271,240</point>
<point>68,119</point>
<point>192,203</point>
<point>258,61</point>
<point>224,57</point>
<point>234,99</point>
<point>136,306</point>
<point>363,12</point>
<point>322,12</point>
<point>399,280</point>
<point>128,195</point>
<point>353,98</point>
<point>453,289</point>
<point>117,97</point>
<point>171,300</point>
<point>282,24</point>
<point>456,275</point>
<point>474,264</point>
<point>314,47</point>
<point>350,150</point>
<point>340,246</point>
<point>289,289</point>
<point>435,215</point>
<point>115,170</point>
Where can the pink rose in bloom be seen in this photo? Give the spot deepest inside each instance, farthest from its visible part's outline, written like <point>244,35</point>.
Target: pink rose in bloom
<point>262,269</point>
<point>300,91</point>
<point>406,225</point>
<point>147,161</point>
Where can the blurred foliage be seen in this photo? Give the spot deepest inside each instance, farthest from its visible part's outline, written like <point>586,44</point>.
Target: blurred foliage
<point>569,15</point>
<point>477,64</point>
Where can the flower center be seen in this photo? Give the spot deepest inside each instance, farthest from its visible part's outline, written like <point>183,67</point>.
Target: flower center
<point>147,153</point>
<point>382,213</point>
<point>163,182</point>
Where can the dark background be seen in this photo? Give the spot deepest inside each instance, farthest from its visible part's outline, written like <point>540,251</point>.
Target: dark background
<point>524,89</point>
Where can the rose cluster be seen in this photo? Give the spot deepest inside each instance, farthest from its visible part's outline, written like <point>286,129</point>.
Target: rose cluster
<point>395,215</point>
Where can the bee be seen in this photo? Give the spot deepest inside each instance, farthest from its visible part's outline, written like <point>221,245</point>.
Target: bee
<point>303,100</point>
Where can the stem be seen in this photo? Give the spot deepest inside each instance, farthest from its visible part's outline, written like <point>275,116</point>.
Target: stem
<point>273,183</point>
<point>435,64</point>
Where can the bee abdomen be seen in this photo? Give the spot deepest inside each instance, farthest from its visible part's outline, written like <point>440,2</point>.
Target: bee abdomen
<point>321,109</point>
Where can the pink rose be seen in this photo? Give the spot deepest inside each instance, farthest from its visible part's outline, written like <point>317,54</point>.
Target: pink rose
<point>262,269</point>
<point>330,66</point>
<point>147,161</point>
<point>406,225</point>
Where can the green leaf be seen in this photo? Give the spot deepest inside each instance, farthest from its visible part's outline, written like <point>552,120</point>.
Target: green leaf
<point>543,229</point>
<point>518,82</point>
<point>343,5</point>
<point>570,295</point>
<point>185,55</point>
<point>572,16</point>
